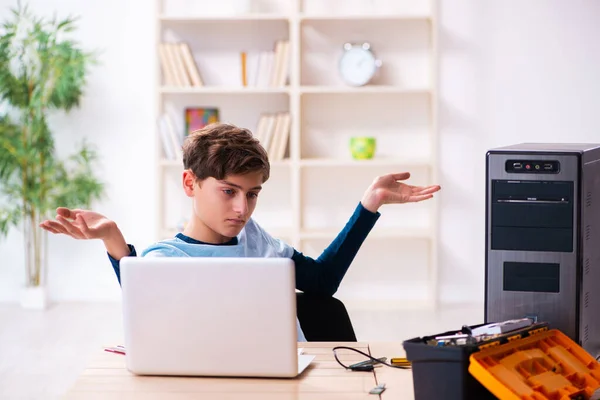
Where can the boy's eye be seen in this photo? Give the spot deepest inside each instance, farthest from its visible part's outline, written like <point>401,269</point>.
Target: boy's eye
<point>228,191</point>
<point>253,195</point>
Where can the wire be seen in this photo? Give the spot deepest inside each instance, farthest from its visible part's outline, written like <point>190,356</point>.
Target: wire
<point>364,367</point>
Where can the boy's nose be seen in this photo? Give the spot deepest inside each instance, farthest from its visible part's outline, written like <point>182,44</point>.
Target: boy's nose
<point>241,206</point>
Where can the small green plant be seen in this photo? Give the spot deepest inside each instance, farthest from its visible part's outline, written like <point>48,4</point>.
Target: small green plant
<point>41,72</point>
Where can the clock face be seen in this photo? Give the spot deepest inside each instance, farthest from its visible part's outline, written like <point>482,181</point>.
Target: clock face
<point>357,66</point>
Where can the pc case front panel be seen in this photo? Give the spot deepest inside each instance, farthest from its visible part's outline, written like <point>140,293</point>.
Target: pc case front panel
<point>532,225</point>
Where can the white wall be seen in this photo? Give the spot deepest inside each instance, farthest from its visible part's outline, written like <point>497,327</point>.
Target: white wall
<point>117,116</point>
<point>510,71</point>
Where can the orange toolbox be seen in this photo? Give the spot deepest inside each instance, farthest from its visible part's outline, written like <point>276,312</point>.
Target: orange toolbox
<point>544,366</point>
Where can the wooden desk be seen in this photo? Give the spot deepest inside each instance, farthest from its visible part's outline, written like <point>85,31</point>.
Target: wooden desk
<point>107,378</point>
<point>398,382</point>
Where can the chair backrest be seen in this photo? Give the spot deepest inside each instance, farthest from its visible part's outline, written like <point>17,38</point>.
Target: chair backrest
<point>324,319</point>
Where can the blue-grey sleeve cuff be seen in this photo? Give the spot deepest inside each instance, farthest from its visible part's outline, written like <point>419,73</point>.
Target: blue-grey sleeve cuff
<point>362,211</point>
<point>132,253</point>
<point>115,263</point>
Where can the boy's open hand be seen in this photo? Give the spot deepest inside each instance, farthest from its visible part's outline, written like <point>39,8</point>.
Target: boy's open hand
<point>387,189</point>
<point>80,224</point>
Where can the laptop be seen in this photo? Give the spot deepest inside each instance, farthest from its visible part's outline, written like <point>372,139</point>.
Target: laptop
<point>211,316</point>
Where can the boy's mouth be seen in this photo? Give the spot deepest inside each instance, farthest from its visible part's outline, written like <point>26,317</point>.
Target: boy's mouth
<point>236,221</point>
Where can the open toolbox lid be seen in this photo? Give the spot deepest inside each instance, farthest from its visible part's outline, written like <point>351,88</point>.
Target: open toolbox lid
<point>547,365</point>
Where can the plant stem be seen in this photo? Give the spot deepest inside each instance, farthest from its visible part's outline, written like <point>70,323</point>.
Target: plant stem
<point>38,244</point>
<point>35,279</point>
<point>27,239</point>
<point>27,207</point>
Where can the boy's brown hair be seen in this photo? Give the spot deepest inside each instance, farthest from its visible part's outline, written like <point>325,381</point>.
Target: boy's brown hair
<point>219,150</point>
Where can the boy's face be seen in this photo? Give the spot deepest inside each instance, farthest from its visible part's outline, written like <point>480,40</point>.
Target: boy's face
<point>222,208</point>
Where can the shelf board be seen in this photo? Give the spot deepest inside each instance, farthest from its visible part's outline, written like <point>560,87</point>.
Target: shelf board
<point>377,233</point>
<point>330,234</point>
<point>179,163</point>
<point>281,163</point>
<point>226,18</point>
<point>274,232</point>
<point>362,89</point>
<point>223,90</point>
<point>359,17</point>
<point>286,90</point>
<point>378,162</point>
<point>302,17</point>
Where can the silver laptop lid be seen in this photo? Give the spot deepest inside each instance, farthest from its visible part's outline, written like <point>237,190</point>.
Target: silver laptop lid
<point>209,316</point>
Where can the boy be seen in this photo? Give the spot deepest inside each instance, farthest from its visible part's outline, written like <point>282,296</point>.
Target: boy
<point>225,168</point>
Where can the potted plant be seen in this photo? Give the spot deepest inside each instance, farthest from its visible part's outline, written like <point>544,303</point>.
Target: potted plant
<point>41,72</point>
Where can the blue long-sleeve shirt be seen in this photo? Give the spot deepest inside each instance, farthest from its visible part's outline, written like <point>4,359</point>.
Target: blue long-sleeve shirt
<point>318,276</point>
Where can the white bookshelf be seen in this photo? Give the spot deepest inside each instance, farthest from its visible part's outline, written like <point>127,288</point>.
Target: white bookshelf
<point>314,189</point>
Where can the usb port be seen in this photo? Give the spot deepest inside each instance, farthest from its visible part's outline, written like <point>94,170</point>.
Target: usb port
<point>517,165</point>
<point>547,166</point>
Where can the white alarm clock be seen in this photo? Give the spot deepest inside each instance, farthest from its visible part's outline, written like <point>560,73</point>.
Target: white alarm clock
<point>358,64</point>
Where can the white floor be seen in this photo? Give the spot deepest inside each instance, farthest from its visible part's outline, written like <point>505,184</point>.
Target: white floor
<point>42,353</point>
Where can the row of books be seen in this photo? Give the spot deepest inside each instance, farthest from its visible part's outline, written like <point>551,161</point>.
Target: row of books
<point>273,132</point>
<point>178,65</point>
<point>172,142</point>
<point>172,132</point>
<point>268,68</point>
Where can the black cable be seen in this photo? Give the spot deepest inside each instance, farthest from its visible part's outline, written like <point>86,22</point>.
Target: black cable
<point>364,367</point>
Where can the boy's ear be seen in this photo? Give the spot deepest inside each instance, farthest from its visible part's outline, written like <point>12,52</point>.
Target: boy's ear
<point>188,182</point>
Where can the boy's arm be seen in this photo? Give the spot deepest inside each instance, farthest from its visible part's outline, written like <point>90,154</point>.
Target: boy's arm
<point>116,262</point>
<point>117,248</point>
<point>115,243</point>
<point>85,224</point>
<point>324,275</point>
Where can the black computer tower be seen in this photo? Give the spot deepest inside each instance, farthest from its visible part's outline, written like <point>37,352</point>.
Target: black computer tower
<point>542,257</point>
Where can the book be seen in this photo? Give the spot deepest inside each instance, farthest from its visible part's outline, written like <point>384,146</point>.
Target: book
<point>181,76</point>
<point>165,65</point>
<point>190,65</point>
<point>165,138</point>
<point>199,117</point>
<point>173,136</point>
<point>244,68</point>
<point>178,65</point>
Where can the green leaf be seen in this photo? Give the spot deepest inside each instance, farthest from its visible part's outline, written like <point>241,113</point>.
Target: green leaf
<point>9,217</point>
<point>10,147</point>
<point>41,69</point>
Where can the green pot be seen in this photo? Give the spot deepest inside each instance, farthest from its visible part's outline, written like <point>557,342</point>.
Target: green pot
<point>362,147</point>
